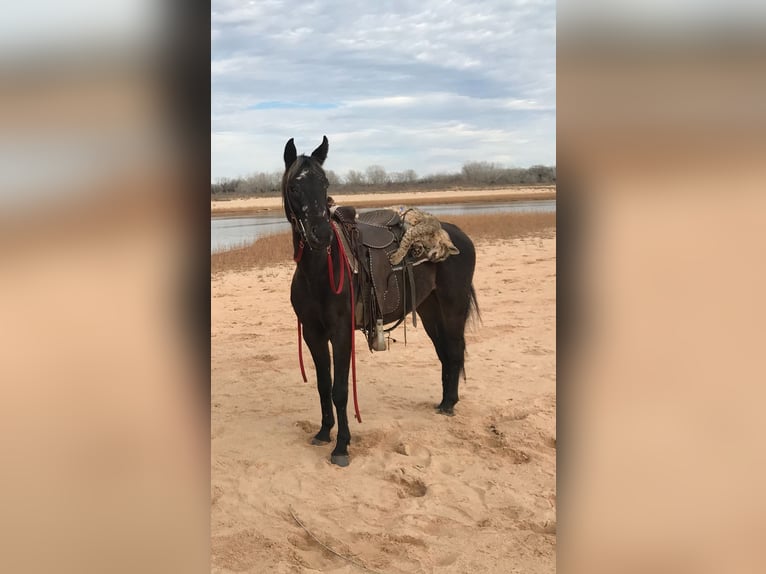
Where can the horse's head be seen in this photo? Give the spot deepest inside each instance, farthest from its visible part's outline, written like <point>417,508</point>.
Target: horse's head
<point>304,194</point>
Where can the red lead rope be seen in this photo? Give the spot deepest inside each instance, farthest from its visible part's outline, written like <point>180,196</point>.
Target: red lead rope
<point>344,264</point>
<point>342,267</point>
<point>297,256</point>
<point>300,353</point>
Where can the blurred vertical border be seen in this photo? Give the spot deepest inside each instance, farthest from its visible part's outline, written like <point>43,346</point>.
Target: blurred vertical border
<point>104,286</point>
<point>661,205</point>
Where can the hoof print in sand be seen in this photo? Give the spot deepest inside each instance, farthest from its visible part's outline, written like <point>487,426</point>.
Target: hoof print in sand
<point>409,487</point>
<point>307,427</point>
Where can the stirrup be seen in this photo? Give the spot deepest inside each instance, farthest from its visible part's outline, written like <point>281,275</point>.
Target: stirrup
<point>379,343</point>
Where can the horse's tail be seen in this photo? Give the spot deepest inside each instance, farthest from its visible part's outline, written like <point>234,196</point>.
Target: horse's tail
<point>473,306</point>
<point>473,313</point>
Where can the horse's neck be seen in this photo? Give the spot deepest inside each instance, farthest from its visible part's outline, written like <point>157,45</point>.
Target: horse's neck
<point>313,262</point>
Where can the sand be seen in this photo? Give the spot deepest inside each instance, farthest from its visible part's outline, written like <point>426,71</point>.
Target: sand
<point>424,492</point>
<point>253,204</point>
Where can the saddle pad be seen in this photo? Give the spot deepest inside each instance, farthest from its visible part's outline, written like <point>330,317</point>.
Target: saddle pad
<point>374,236</point>
<point>381,217</point>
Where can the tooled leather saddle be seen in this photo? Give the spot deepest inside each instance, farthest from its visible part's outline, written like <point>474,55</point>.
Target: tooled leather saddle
<point>384,289</point>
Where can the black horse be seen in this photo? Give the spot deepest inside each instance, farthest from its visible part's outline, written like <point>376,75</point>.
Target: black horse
<point>445,295</point>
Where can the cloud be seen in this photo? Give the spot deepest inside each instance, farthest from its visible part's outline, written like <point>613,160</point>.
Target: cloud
<point>405,84</point>
<point>292,105</point>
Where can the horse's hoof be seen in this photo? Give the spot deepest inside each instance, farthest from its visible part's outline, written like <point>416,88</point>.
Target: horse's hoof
<point>447,411</point>
<point>319,442</point>
<point>339,459</point>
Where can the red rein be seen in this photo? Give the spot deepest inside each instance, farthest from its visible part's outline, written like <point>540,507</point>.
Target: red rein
<point>297,256</point>
<point>344,266</point>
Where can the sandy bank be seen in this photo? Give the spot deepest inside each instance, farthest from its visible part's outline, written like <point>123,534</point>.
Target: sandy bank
<point>424,492</point>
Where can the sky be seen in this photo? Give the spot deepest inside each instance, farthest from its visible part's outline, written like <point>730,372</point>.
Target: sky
<point>406,84</point>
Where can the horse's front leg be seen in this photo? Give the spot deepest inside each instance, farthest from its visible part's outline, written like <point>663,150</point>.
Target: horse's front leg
<point>341,350</point>
<point>320,352</point>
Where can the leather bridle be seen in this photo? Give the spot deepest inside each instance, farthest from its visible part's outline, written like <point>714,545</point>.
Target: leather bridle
<point>296,221</point>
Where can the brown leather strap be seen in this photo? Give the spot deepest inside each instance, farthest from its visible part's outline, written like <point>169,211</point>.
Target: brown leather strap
<point>411,273</point>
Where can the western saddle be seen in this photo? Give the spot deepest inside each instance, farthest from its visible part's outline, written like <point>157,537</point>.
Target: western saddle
<point>384,289</point>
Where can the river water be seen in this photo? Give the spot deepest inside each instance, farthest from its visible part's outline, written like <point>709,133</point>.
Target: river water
<point>233,231</point>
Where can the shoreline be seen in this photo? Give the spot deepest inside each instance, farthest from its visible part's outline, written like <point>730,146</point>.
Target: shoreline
<point>254,205</point>
<point>277,248</point>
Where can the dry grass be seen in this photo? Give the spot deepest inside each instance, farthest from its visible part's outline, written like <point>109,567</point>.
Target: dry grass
<point>504,225</point>
<point>266,251</point>
<point>278,248</point>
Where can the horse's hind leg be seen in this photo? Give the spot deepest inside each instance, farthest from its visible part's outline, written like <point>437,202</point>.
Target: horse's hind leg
<point>454,349</point>
<point>430,317</point>
<point>444,319</point>
<point>320,352</point>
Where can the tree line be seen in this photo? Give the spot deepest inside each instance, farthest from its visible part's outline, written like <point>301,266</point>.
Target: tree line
<point>376,178</point>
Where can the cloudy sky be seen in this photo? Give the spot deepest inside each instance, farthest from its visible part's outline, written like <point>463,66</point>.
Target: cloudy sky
<point>406,84</point>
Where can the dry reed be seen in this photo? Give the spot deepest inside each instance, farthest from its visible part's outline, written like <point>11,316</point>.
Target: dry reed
<point>276,249</point>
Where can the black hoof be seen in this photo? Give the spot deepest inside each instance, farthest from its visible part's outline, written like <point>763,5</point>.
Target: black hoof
<point>319,442</point>
<point>448,411</point>
<point>339,459</point>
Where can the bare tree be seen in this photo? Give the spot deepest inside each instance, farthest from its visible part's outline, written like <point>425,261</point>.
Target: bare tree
<point>541,174</point>
<point>409,176</point>
<point>376,175</point>
<point>477,173</point>
<point>481,172</point>
<point>332,177</point>
<point>354,177</point>
<point>224,185</point>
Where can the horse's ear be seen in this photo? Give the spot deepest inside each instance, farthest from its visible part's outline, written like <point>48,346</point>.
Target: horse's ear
<point>320,153</point>
<point>291,154</point>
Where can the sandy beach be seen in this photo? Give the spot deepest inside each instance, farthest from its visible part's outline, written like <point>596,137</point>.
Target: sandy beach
<point>424,492</point>
<point>256,204</point>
